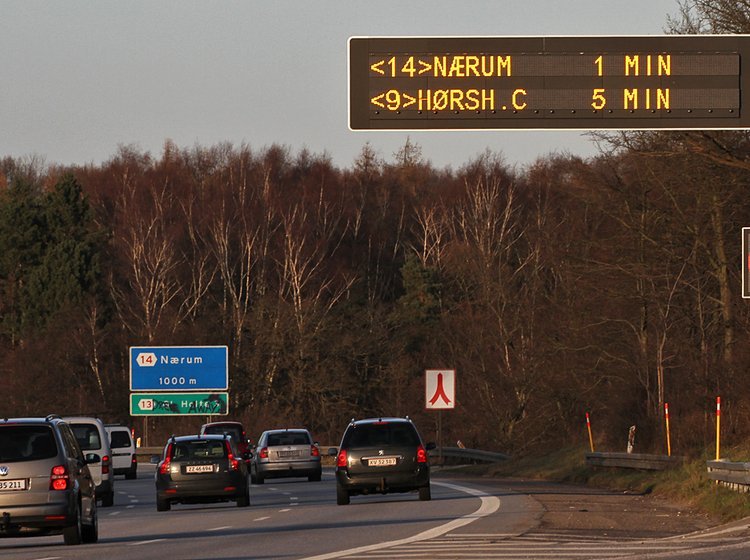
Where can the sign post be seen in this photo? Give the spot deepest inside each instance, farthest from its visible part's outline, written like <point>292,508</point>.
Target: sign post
<point>440,394</point>
<point>746,262</point>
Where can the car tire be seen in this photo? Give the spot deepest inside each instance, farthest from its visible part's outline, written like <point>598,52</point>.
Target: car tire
<point>90,533</point>
<point>244,500</point>
<point>314,477</point>
<point>108,500</point>
<point>131,475</point>
<point>163,505</point>
<point>425,494</point>
<point>72,534</point>
<point>259,479</point>
<point>342,496</point>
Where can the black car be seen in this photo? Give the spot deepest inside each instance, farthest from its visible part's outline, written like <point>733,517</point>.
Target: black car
<point>381,455</point>
<point>45,483</point>
<point>200,469</point>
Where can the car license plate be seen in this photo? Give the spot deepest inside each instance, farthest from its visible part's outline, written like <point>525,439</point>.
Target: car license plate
<point>381,462</point>
<point>17,484</point>
<point>191,469</point>
<point>287,454</point>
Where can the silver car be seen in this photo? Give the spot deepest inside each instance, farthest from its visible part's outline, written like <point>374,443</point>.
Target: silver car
<point>45,483</point>
<point>285,453</point>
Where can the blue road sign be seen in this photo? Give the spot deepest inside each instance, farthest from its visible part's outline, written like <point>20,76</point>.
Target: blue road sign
<point>179,368</point>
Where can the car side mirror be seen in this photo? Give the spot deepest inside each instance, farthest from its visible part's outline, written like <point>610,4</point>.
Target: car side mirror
<point>92,459</point>
<point>430,446</point>
<point>333,451</point>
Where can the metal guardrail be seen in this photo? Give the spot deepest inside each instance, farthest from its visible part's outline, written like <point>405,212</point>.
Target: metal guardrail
<point>470,454</point>
<point>632,461</point>
<point>735,476</point>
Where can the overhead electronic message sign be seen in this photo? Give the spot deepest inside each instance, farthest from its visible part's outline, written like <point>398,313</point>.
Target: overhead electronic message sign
<point>592,82</point>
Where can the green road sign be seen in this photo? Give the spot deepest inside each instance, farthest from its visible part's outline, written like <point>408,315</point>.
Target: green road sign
<point>178,404</point>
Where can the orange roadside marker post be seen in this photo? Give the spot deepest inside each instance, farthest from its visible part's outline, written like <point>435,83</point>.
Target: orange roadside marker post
<point>588,426</point>
<point>666,419</point>
<point>718,428</point>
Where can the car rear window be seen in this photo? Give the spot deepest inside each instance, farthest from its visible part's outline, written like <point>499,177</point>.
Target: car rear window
<point>26,443</point>
<point>87,436</point>
<point>233,431</point>
<point>119,439</point>
<point>288,438</point>
<point>386,433</point>
<point>199,449</point>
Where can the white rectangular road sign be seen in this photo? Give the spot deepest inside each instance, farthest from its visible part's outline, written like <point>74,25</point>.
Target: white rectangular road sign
<point>440,389</point>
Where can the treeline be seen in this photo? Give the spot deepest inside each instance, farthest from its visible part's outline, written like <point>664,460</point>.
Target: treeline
<point>611,285</point>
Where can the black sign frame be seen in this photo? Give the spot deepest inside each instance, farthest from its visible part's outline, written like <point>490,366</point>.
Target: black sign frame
<point>399,83</point>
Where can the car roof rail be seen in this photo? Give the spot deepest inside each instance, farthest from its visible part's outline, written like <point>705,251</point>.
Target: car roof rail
<point>51,417</point>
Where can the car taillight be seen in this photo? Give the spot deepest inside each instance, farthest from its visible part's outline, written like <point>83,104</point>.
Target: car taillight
<point>167,462</point>
<point>263,453</point>
<point>59,478</point>
<point>421,455</point>
<point>234,464</point>
<point>133,459</point>
<point>105,464</point>
<point>314,451</point>
<point>342,460</point>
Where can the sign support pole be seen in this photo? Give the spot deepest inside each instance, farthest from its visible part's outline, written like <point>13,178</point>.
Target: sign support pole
<point>440,437</point>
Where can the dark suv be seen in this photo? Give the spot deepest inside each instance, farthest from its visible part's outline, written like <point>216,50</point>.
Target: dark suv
<point>45,484</point>
<point>200,469</point>
<point>381,455</point>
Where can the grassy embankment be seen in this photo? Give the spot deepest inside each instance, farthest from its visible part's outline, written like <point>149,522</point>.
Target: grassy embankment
<point>687,485</point>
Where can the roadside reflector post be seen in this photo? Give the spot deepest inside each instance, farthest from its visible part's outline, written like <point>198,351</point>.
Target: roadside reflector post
<point>666,419</point>
<point>588,426</point>
<point>718,428</point>
<point>631,439</point>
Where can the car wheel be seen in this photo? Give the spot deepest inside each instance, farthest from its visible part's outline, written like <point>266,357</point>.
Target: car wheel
<point>314,477</point>
<point>163,505</point>
<point>131,475</point>
<point>259,479</point>
<point>424,493</point>
<point>342,496</point>
<point>90,533</point>
<point>108,500</point>
<point>72,534</point>
<point>244,500</point>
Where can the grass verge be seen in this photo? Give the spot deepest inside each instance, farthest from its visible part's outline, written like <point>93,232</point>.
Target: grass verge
<point>687,485</point>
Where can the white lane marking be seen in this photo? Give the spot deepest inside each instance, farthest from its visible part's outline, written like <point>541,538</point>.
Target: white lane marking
<point>272,488</point>
<point>262,518</point>
<point>294,504</point>
<point>131,495</point>
<point>121,492</point>
<point>139,543</point>
<point>284,510</point>
<point>293,498</point>
<point>219,528</point>
<point>116,513</point>
<point>129,507</point>
<point>133,501</point>
<point>489,505</point>
<point>50,558</point>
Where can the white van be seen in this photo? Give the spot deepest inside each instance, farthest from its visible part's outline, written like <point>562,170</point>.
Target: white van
<point>123,450</point>
<point>93,438</point>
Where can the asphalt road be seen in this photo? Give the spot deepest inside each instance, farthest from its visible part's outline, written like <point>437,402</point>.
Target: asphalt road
<point>467,518</point>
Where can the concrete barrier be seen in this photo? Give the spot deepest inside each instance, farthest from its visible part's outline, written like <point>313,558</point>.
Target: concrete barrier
<point>632,461</point>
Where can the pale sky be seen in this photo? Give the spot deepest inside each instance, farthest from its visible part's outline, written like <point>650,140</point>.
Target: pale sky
<point>80,78</point>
